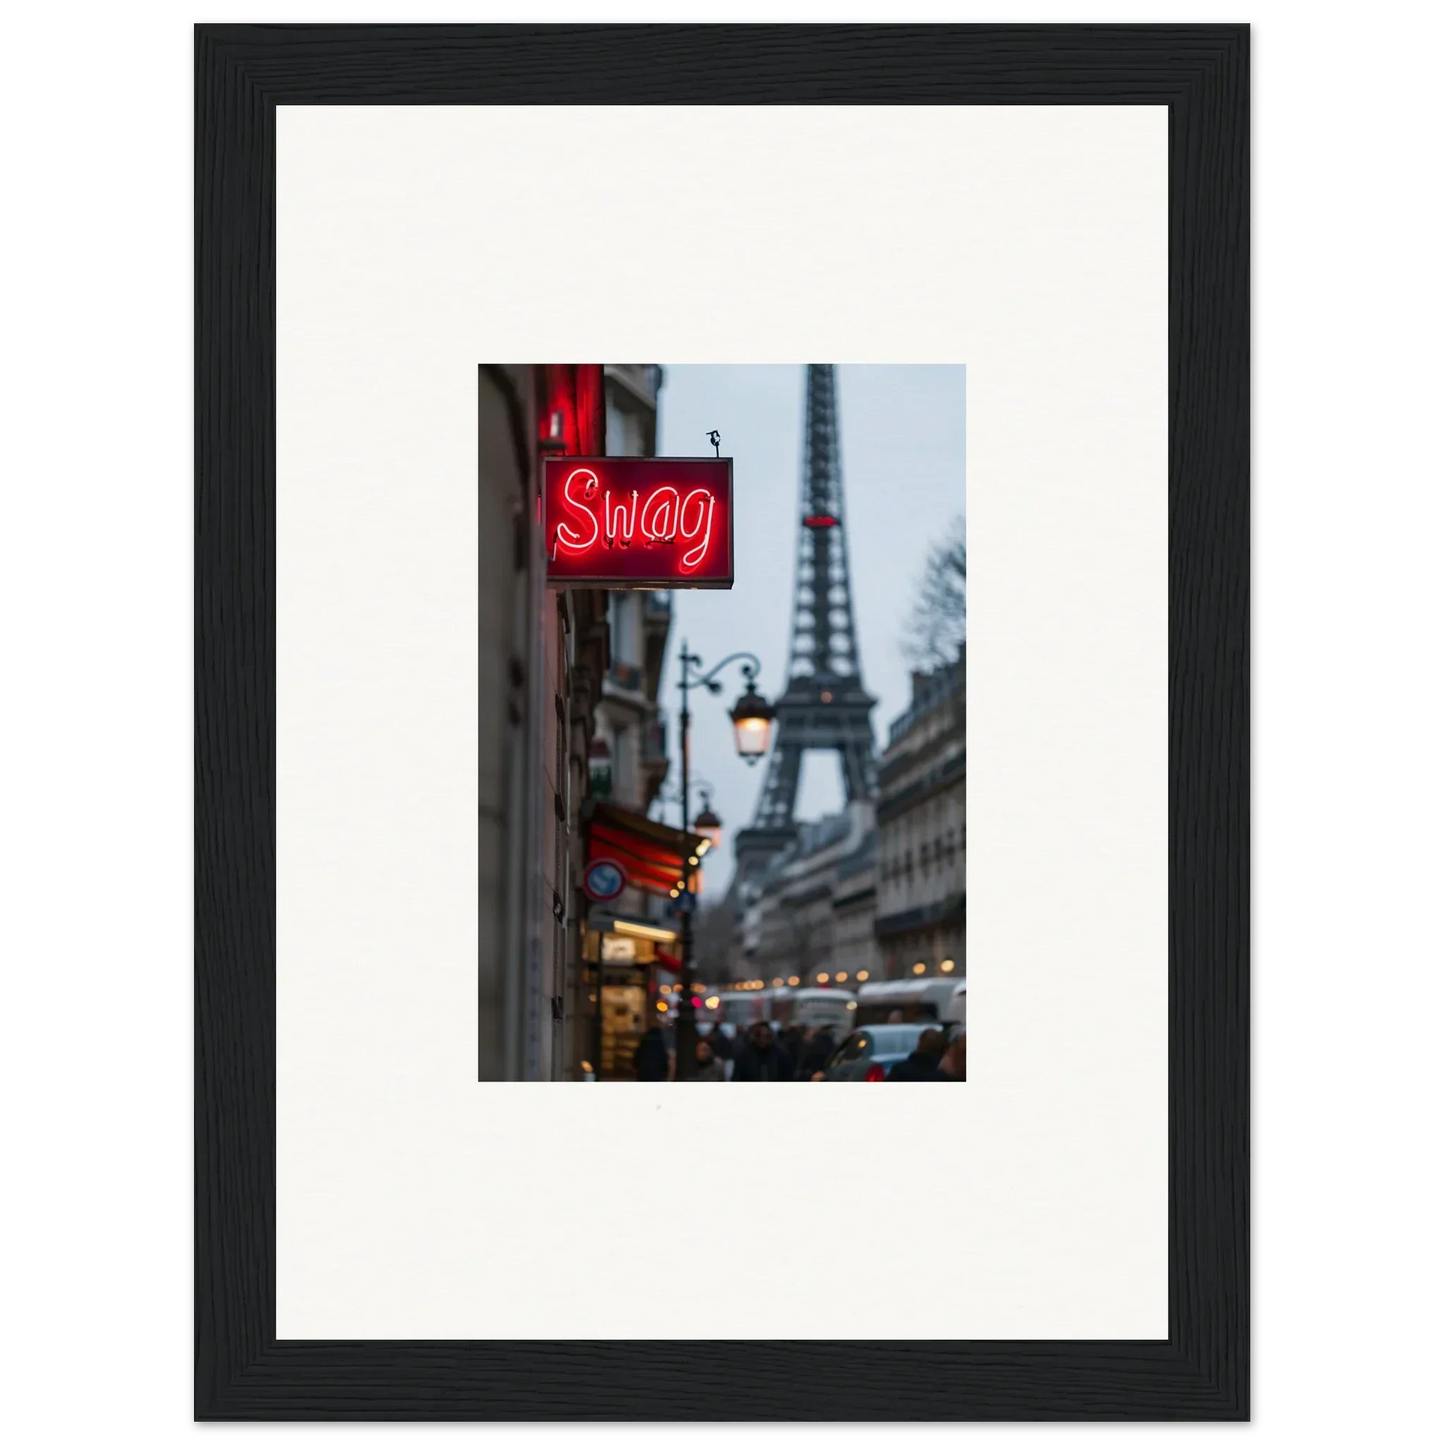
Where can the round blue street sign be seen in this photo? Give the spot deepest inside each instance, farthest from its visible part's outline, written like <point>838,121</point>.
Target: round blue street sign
<point>604,880</point>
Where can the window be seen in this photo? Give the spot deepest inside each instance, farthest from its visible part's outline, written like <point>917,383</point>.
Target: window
<point>624,431</point>
<point>622,765</point>
<point>623,616</point>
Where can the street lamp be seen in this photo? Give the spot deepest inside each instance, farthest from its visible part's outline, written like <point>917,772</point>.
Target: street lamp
<point>752,723</point>
<point>708,823</point>
<point>752,719</point>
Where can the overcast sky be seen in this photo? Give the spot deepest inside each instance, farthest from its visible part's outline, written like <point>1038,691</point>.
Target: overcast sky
<point>902,440</point>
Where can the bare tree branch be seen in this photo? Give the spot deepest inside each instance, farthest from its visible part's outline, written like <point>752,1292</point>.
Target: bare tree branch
<point>937,623</point>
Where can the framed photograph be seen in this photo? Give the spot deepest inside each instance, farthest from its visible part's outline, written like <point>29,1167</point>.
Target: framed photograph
<point>633,463</point>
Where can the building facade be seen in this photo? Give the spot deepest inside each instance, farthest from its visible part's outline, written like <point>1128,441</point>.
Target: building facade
<point>855,905</point>
<point>922,841</point>
<point>631,738</point>
<point>631,728</point>
<point>629,758</point>
<point>810,915</point>
<point>567,679</point>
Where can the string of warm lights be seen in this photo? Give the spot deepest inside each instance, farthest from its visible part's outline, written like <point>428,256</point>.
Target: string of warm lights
<point>862,976</point>
<point>672,990</point>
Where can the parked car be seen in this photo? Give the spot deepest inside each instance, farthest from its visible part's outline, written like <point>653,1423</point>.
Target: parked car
<point>867,1054</point>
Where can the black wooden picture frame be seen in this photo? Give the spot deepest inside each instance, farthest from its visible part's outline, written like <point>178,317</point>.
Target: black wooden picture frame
<point>243,1372</point>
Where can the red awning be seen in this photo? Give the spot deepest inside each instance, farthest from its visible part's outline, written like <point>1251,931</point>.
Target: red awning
<point>652,854</point>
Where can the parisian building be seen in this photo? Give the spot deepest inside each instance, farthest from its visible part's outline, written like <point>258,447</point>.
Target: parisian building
<point>922,789</point>
<point>810,915</point>
<point>568,722</point>
<point>629,747</point>
<point>541,659</point>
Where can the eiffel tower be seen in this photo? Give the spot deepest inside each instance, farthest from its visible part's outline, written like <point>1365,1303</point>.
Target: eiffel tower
<point>824,706</point>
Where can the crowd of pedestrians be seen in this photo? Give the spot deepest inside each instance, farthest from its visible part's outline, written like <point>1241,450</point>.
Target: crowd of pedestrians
<point>797,1052</point>
<point>936,1059</point>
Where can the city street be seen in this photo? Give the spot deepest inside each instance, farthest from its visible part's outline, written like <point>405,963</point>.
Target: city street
<point>707,855</point>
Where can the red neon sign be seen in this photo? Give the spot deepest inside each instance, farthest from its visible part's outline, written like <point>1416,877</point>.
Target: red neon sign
<point>638,521</point>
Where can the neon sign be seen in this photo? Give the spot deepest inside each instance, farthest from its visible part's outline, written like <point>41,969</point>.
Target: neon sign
<point>638,521</point>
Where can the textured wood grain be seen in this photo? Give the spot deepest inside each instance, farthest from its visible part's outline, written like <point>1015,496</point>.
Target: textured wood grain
<point>242,74</point>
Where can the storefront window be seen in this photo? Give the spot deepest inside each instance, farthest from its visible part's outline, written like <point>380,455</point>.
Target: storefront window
<point>623,1010</point>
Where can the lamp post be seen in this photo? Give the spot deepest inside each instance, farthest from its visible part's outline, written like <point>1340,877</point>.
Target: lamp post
<point>707,824</point>
<point>752,719</point>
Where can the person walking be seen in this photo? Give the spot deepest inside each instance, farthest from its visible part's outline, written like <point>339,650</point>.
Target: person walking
<point>709,1067</point>
<point>816,1052</point>
<point>760,1060</point>
<point>954,1063</point>
<point>651,1059</point>
<point>790,1041</point>
<point>922,1064</point>
<point>722,1045</point>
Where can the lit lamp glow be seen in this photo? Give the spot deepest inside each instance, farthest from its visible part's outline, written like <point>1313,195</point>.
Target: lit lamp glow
<point>947,965</point>
<point>752,724</point>
<point>920,968</point>
<point>708,824</point>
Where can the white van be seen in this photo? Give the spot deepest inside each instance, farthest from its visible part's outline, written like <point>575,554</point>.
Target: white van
<point>740,1007</point>
<point>813,1007</point>
<point>912,1000</point>
<point>957,1010</point>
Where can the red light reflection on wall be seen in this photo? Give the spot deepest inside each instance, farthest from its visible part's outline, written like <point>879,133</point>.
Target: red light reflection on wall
<point>571,399</point>
<point>638,521</point>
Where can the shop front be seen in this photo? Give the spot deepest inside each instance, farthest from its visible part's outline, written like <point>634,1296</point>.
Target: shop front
<point>626,955</point>
<point>631,933</point>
